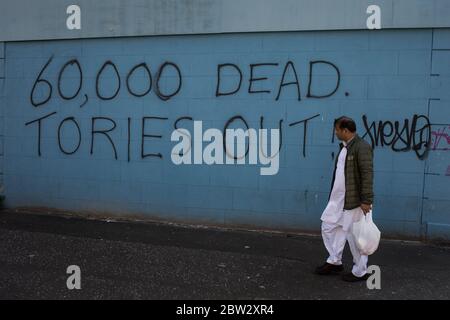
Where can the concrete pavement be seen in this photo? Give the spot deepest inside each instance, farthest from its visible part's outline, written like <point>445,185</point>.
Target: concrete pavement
<point>137,260</point>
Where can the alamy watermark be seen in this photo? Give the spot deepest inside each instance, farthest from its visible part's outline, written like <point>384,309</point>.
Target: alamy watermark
<point>73,21</point>
<point>374,280</point>
<point>374,20</point>
<point>74,280</point>
<point>189,149</point>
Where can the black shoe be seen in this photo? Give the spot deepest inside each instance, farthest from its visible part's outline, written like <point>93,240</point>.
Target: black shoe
<point>329,269</point>
<point>350,277</point>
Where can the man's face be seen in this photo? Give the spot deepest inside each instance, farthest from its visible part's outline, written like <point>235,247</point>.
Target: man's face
<point>341,134</point>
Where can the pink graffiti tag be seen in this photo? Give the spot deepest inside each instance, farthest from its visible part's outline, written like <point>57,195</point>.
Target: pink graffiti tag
<point>437,138</point>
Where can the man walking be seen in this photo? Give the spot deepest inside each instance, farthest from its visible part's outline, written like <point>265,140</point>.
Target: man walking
<point>350,198</point>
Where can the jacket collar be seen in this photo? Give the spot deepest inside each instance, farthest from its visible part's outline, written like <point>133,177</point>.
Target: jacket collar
<point>350,143</point>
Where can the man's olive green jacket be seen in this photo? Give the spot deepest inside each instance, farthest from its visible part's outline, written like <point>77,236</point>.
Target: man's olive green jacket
<point>358,173</point>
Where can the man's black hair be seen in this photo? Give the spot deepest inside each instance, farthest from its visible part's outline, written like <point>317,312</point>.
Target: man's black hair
<point>345,123</point>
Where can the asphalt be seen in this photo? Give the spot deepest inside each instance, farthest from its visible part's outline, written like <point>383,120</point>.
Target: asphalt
<point>154,260</point>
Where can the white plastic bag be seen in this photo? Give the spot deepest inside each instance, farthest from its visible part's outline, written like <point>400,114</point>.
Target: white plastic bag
<point>366,234</point>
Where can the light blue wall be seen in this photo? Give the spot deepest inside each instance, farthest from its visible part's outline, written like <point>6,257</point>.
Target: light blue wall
<point>389,76</point>
<point>2,108</point>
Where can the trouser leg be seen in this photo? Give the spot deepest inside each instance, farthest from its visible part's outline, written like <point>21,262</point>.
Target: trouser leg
<point>334,239</point>
<point>359,260</point>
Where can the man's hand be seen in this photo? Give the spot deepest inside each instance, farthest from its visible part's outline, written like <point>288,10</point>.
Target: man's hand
<point>366,208</point>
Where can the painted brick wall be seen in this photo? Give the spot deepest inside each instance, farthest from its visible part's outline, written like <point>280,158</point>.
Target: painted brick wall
<point>388,83</point>
<point>436,206</point>
<point>2,110</point>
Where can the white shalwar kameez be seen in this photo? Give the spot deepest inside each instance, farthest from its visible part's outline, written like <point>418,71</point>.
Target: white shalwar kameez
<point>337,222</point>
